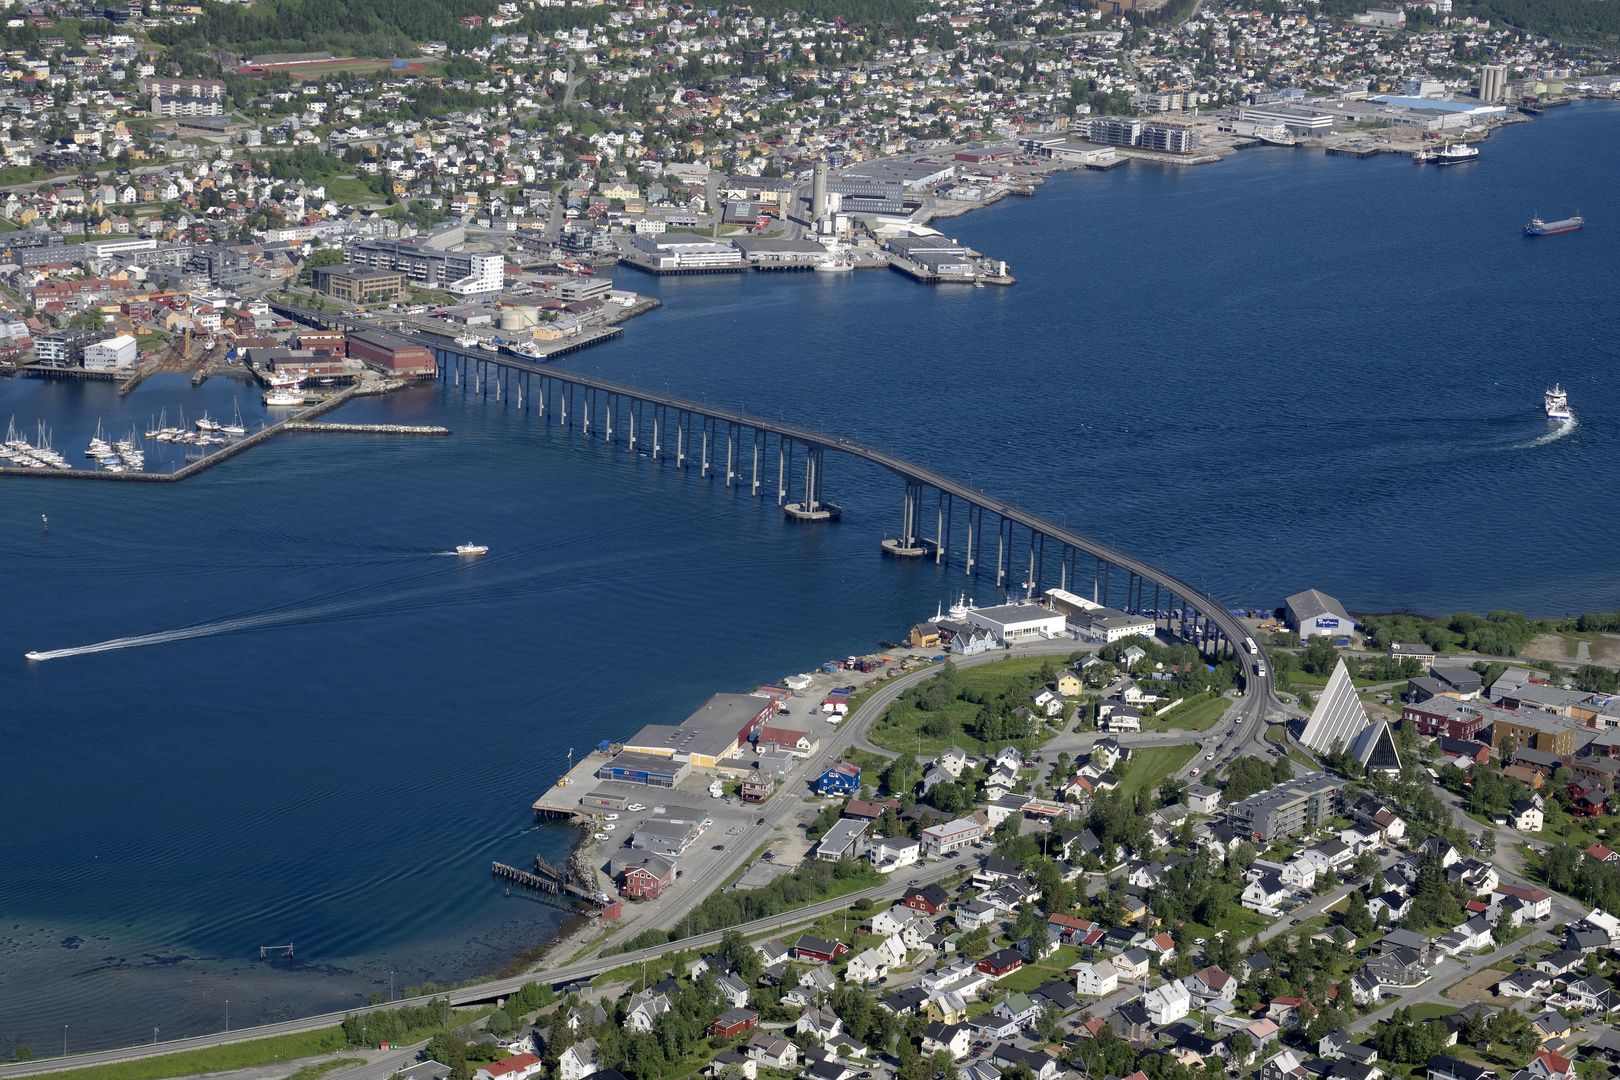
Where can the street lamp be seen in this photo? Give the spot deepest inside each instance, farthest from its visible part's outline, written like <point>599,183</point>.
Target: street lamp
<point>154,1036</point>
<point>227,1014</point>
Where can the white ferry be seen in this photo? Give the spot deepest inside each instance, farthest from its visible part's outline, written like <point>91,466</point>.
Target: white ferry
<point>1557,404</point>
<point>472,549</point>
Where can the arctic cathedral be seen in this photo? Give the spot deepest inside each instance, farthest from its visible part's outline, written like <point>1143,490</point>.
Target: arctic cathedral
<point>1339,717</point>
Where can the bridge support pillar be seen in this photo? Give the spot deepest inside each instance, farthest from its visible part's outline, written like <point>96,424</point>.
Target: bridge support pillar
<point>781,472</point>
<point>939,529</point>
<point>813,507</point>
<point>612,407</point>
<point>755,491</point>
<point>680,440</point>
<point>658,446</point>
<point>704,471</point>
<point>731,453</point>
<point>908,545</point>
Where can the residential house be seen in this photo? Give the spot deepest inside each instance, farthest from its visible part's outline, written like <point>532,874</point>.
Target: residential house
<point>1211,984</point>
<point>819,1024</point>
<point>1168,1003</point>
<point>733,1022</point>
<point>1096,980</point>
<point>867,966</point>
<point>772,1051</point>
<point>954,1039</point>
<point>579,1060</point>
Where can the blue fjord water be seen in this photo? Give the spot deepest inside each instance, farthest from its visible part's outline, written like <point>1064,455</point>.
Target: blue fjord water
<point>1282,371</point>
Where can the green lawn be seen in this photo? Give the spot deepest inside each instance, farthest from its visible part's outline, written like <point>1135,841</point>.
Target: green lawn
<point>1431,1010</point>
<point>351,189</point>
<point>1240,923</point>
<point>1195,716</point>
<point>217,1058</point>
<point>1030,977</point>
<point>900,727</point>
<point>1277,733</point>
<point>1149,767</point>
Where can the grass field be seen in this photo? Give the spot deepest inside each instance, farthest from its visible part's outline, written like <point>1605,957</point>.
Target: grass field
<point>321,69</point>
<point>1194,717</point>
<point>1431,1010</point>
<point>899,729</point>
<point>216,1058</point>
<point>1149,767</point>
<point>350,189</point>
<point>1240,923</point>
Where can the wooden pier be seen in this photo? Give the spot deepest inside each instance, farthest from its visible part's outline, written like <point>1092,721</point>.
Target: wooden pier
<point>40,371</point>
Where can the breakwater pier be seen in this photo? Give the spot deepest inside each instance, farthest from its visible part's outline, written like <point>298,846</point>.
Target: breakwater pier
<point>366,429</point>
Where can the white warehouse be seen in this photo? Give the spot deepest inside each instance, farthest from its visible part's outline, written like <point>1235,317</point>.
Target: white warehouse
<point>115,352</point>
<point>1019,622</point>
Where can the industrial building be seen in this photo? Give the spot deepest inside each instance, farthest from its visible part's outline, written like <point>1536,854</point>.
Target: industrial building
<point>357,283</point>
<point>1299,120</point>
<point>1019,622</point>
<point>117,352</point>
<point>395,354</point>
<point>1312,612</point>
<point>1110,624</point>
<point>428,261</point>
<point>649,770</point>
<point>1493,83</point>
<point>716,732</point>
<point>664,251</point>
<point>1287,808</point>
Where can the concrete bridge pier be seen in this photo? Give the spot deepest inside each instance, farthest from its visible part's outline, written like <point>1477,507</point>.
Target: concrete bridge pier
<point>812,507</point>
<point>908,545</point>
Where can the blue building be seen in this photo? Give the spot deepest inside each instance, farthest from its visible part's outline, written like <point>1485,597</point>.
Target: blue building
<point>842,779</point>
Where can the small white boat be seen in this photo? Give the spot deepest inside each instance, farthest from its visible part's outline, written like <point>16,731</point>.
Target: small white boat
<point>489,346</point>
<point>471,549</point>
<point>235,427</point>
<point>207,424</point>
<point>834,266</point>
<point>467,341</point>
<point>529,350</point>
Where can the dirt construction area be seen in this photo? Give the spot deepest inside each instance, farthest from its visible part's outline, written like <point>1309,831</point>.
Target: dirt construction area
<point>1600,649</point>
<point>1477,987</point>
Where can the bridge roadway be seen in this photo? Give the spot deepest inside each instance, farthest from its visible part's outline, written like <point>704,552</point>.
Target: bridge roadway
<point>1258,687</point>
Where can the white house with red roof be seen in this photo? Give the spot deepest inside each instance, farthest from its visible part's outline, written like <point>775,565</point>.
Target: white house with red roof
<point>517,1067</point>
<point>1600,853</point>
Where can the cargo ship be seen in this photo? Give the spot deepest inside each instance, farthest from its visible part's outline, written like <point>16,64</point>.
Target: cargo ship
<point>1537,227</point>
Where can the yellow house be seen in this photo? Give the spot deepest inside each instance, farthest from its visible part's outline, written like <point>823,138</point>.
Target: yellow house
<point>942,1010</point>
<point>925,636</point>
<point>1066,684</point>
<point>617,190</point>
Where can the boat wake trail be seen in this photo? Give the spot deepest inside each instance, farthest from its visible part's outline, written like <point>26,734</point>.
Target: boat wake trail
<point>1564,428</point>
<point>222,626</point>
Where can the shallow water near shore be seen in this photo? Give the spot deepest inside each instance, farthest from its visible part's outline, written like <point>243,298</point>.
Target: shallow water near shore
<point>1280,372</point>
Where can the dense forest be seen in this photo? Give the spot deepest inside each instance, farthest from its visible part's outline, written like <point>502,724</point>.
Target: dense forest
<point>1561,20</point>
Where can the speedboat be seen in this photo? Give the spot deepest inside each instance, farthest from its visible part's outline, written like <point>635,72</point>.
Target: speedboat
<point>471,549</point>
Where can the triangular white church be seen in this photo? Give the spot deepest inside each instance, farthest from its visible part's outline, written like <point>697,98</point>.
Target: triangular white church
<point>1340,716</point>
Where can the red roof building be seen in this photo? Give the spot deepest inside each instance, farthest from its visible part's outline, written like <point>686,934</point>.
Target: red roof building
<point>733,1022</point>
